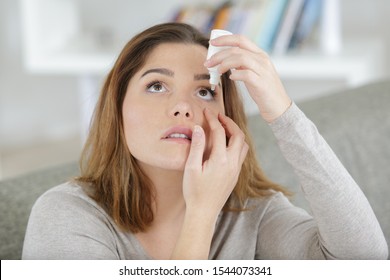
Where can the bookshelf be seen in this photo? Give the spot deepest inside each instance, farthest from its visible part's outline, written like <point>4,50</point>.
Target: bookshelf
<point>56,43</point>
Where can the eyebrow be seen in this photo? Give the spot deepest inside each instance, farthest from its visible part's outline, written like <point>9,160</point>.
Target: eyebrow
<point>167,72</point>
<point>198,77</point>
<point>163,71</point>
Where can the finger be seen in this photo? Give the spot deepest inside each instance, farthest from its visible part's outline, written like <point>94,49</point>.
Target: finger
<point>244,152</point>
<point>238,59</point>
<point>236,40</point>
<point>249,77</point>
<point>237,145</point>
<point>198,142</point>
<point>238,62</point>
<point>234,133</point>
<point>217,135</point>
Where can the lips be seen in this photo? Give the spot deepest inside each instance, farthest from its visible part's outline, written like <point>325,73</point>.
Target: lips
<point>178,132</point>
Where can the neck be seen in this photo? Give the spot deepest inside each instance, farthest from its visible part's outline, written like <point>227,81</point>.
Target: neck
<point>168,185</point>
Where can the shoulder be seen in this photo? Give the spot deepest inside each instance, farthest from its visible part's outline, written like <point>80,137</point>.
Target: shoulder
<point>66,195</point>
<point>65,223</point>
<point>68,203</point>
<point>67,189</point>
<point>274,199</point>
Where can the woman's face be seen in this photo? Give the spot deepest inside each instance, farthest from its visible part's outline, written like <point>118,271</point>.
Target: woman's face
<point>163,102</point>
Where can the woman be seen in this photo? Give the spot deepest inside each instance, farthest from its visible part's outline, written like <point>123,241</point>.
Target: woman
<point>169,171</point>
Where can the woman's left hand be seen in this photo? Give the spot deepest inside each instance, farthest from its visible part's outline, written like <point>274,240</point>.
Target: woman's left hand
<point>252,65</point>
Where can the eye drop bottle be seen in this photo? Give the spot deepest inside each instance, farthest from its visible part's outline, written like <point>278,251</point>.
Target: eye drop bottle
<point>214,75</point>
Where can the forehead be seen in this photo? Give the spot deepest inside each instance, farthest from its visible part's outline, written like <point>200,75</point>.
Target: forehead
<point>177,53</point>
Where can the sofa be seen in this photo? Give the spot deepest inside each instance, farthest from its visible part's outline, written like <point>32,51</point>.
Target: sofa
<point>355,123</point>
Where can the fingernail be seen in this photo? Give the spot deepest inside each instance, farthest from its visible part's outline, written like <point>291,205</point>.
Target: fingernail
<point>206,63</point>
<point>196,136</point>
<point>197,131</point>
<point>196,128</point>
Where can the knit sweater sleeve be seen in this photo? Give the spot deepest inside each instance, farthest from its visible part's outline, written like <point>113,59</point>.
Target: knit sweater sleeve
<point>343,225</point>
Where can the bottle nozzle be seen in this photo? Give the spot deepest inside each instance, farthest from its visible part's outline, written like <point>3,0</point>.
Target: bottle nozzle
<point>214,75</point>
<point>214,78</point>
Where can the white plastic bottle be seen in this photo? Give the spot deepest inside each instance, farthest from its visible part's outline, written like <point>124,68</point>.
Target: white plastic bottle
<point>214,75</point>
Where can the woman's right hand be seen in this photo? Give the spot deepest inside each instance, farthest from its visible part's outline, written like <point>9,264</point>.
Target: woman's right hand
<point>208,184</point>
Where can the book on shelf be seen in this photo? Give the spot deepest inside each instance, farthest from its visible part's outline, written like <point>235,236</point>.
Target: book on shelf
<point>277,26</point>
<point>307,21</point>
<point>271,23</point>
<point>222,16</point>
<point>288,23</point>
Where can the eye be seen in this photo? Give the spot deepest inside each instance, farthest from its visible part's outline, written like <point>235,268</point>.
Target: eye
<point>155,87</point>
<point>206,93</point>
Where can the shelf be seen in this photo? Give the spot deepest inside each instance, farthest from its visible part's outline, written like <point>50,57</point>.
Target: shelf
<point>54,44</point>
<point>74,64</point>
<point>359,62</point>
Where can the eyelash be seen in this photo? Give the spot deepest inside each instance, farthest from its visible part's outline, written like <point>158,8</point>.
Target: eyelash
<point>149,85</point>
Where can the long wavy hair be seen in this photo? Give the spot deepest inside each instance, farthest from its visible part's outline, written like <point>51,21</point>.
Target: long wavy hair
<point>108,167</point>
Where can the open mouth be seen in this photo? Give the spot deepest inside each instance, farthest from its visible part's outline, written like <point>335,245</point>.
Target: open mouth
<point>178,136</point>
<point>181,134</point>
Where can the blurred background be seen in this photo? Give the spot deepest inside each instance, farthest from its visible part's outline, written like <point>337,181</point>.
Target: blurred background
<point>54,55</point>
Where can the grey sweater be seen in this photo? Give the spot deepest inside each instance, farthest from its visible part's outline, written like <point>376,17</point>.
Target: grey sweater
<point>65,223</point>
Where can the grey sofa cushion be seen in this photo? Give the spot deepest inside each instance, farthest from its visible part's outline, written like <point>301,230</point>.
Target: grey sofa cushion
<point>356,124</point>
<point>17,197</point>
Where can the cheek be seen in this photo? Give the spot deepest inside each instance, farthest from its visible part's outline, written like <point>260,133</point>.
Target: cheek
<point>133,124</point>
<point>130,119</point>
<point>215,108</point>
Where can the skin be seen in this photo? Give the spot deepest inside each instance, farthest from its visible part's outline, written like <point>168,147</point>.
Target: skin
<point>193,179</point>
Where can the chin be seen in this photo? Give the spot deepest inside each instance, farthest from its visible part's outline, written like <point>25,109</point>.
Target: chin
<point>177,160</point>
<point>174,165</point>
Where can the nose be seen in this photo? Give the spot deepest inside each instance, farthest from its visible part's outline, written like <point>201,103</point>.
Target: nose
<point>182,109</point>
<point>178,114</point>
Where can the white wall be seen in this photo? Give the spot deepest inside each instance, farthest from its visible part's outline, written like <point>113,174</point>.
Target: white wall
<point>367,19</point>
<point>32,107</point>
<point>36,108</point>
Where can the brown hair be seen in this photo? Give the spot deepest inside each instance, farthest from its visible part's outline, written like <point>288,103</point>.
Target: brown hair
<point>117,181</point>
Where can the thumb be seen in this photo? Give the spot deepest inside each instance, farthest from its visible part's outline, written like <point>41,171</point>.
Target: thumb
<point>195,157</point>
